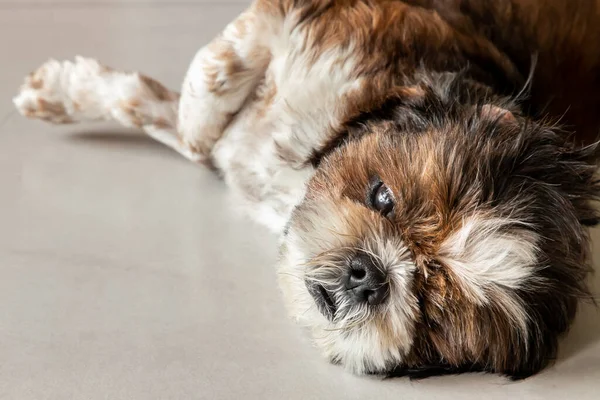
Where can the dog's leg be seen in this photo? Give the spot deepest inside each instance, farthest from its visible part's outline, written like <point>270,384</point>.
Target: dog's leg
<point>222,76</point>
<point>84,90</point>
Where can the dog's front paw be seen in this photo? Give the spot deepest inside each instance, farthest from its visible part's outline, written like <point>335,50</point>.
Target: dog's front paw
<point>41,95</point>
<point>58,91</point>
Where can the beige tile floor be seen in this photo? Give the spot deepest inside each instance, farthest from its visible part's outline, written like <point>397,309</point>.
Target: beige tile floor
<point>123,272</point>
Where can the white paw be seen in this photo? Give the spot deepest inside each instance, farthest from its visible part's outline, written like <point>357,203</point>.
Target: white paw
<point>55,90</point>
<point>38,96</point>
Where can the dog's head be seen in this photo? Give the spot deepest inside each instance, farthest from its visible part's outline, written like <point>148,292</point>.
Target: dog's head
<point>443,235</point>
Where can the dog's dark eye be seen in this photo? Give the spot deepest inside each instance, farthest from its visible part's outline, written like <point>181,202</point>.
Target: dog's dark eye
<point>382,199</point>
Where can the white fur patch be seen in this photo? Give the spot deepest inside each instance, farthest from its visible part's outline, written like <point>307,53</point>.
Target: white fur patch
<point>312,90</point>
<point>491,257</point>
<point>483,253</point>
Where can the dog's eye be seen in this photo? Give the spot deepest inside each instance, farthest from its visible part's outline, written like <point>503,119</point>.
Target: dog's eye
<point>382,199</point>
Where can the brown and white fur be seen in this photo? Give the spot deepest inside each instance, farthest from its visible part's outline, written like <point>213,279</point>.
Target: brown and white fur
<point>309,107</point>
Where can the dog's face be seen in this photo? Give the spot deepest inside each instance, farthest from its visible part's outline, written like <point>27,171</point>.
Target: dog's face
<point>451,244</point>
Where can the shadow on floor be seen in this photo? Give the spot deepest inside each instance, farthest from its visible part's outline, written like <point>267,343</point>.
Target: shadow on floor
<point>120,139</point>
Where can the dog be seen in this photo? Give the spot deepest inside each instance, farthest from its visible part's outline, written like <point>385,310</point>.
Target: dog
<point>431,199</point>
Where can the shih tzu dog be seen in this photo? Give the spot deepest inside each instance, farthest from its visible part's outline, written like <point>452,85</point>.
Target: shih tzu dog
<point>432,208</point>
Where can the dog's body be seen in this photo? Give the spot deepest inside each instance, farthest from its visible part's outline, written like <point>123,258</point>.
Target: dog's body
<point>318,64</point>
<point>308,108</point>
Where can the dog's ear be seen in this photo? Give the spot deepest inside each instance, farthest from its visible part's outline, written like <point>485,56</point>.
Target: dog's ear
<point>497,114</point>
<point>409,94</point>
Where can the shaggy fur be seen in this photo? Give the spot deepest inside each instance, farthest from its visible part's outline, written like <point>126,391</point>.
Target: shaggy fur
<point>311,108</point>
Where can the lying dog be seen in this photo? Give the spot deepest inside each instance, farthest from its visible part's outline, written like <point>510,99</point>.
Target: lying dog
<point>432,213</point>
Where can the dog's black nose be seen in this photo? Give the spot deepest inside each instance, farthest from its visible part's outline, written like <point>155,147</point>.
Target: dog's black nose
<point>366,281</point>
